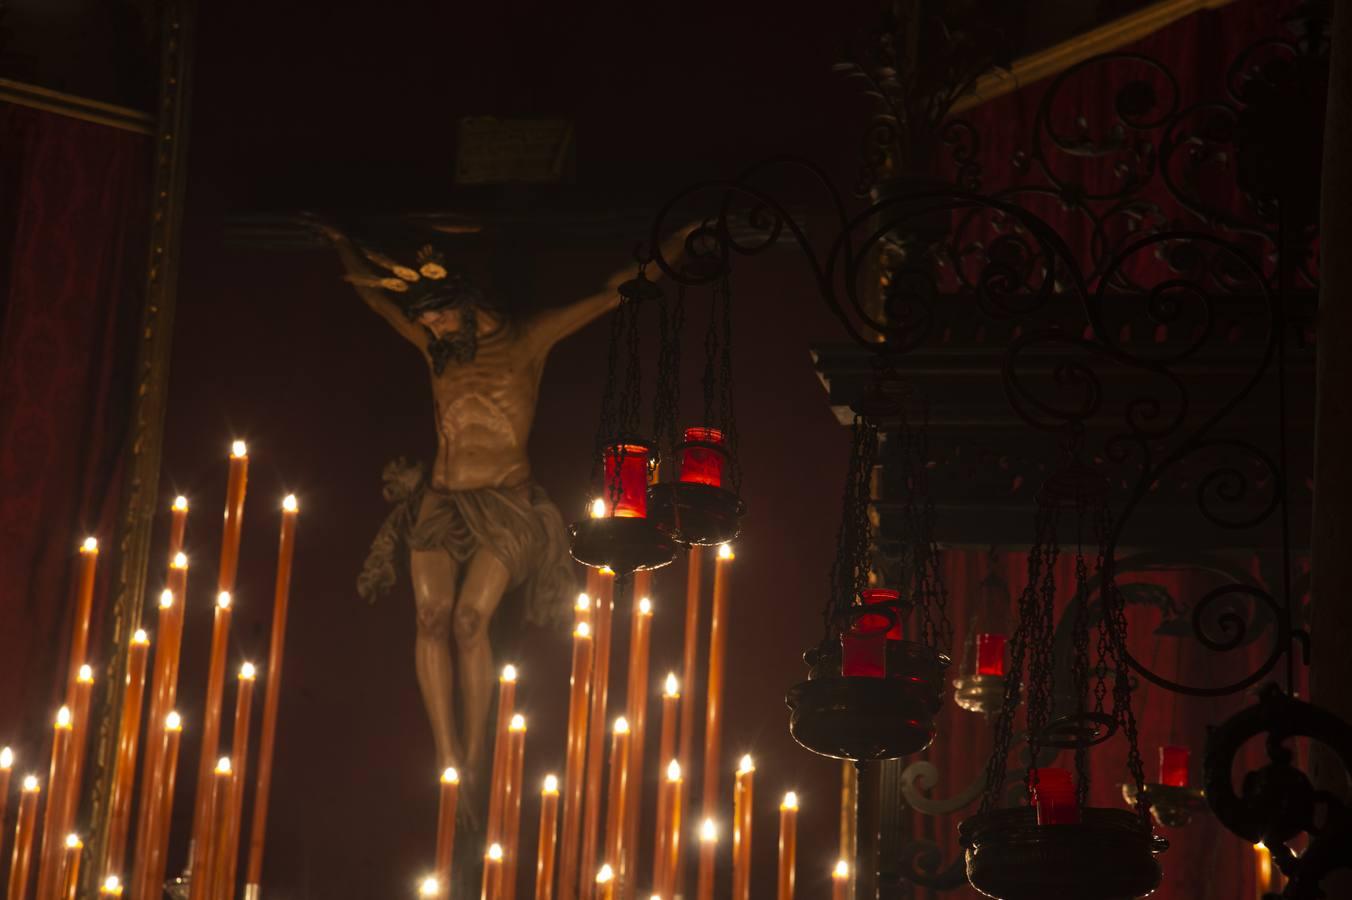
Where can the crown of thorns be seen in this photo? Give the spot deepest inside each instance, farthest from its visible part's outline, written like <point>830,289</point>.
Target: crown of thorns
<point>426,286</point>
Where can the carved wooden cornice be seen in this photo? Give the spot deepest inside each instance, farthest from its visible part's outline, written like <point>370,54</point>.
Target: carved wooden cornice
<point>71,106</point>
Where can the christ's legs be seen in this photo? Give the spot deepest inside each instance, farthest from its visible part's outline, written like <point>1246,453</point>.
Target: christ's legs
<point>434,576</point>
<point>485,580</point>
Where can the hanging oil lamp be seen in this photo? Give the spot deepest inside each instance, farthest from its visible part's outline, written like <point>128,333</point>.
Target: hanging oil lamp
<point>1173,799</point>
<point>699,504</point>
<point>871,693</point>
<point>1055,844</point>
<point>980,686</point>
<point>619,533</point>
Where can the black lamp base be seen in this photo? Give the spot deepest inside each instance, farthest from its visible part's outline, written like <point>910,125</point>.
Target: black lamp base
<point>620,543</point>
<point>698,514</point>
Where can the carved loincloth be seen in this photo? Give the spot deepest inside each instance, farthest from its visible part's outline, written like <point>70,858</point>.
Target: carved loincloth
<point>519,525</point>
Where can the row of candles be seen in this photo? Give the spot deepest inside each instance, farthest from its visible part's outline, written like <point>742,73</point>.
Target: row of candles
<point>221,783</point>
<point>585,851</point>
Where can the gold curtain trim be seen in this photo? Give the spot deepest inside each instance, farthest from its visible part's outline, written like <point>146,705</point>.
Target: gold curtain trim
<point>82,108</point>
<point>1103,39</point>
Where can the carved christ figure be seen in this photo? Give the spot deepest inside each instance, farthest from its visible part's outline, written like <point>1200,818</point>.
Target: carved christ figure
<point>477,525</point>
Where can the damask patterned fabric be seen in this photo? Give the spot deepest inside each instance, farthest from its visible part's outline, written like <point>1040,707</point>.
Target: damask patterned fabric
<point>72,262</point>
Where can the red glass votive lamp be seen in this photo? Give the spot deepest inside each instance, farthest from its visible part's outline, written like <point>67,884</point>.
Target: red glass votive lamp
<point>990,654</point>
<point>863,648</point>
<point>1054,797</point>
<point>702,465</point>
<point>1174,766</point>
<point>884,595</point>
<point>627,468</point>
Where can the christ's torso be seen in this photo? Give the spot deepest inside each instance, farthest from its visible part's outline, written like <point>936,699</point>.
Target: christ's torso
<point>484,410</point>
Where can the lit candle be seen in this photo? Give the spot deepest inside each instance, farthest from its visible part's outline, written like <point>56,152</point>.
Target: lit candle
<point>211,729</point>
<point>627,472</point>
<point>690,652</point>
<point>152,860</point>
<point>668,841</point>
<point>840,880</point>
<point>788,844</point>
<point>272,691</point>
<point>742,805</point>
<point>1268,877</point>
<point>49,858</point>
<point>605,883</point>
<point>702,459</point>
<point>492,885</point>
<point>429,887</point>
<point>163,691</point>
<point>708,846</point>
<point>637,712</point>
<point>70,867</point>
<point>516,748</point>
<point>111,887</point>
<point>671,698</point>
<point>497,785</point>
<point>235,488</point>
<point>601,585</point>
<point>450,797</point>
<point>206,879</point>
<point>863,648</point>
<point>990,654</point>
<point>24,829</point>
<point>718,641</point>
<point>549,830</point>
<point>885,595</point>
<point>576,755</point>
<point>124,766</point>
<point>1054,797</point>
<point>619,766</point>
<point>178,525</point>
<point>6,769</point>
<point>79,746</point>
<point>1174,766</point>
<point>84,606</point>
<point>228,864</point>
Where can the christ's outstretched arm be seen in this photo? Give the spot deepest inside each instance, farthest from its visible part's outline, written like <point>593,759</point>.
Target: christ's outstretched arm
<point>363,278</point>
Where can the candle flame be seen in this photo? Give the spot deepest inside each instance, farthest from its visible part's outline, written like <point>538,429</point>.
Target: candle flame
<point>223,766</point>
<point>30,783</point>
<point>708,831</point>
<point>673,771</point>
<point>645,607</point>
<point>673,687</point>
<point>450,776</point>
<point>248,672</point>
<point>790,801</point>
<point>606,875</point>
<point>173,722</point>
<point>180,560</point>
<point>621,725</point>
<point>85,675</point>
<point>90,545</point>
<point>725,551</point>
<point>509,673</point>
<point>495,852</point>
<point>73,841</point>
<point>551,784</point>
<point>842,869</point>
<point>140,638</point>
<point>6,758</point>
<point>518,723</point>
<point>223,600</point>
<point>745,766</point>
<point>289,503</point>
<point>112,884</point>
<point>180,503</point>
<point>583,630</point>
<point>430,887</point>
<point>598,508</point>
<point>238,450</point>
<point>606,570</point>
<point>583,603</point>
<point>63,717</point>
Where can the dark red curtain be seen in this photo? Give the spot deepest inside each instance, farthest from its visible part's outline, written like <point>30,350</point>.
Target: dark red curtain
<point>72,264</point>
